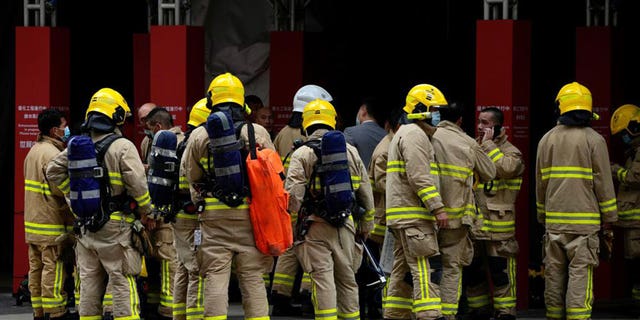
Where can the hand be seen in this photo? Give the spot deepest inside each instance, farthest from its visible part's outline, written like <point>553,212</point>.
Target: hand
<point>149,223</point>
<point>488,134</point>
<point>442,219</point>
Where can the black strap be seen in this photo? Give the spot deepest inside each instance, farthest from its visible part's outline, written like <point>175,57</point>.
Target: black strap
<point>252,141</point>
<point>103,145</point>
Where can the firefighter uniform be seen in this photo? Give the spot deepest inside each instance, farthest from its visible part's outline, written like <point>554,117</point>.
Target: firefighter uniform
<point>328,254</point>
<point>494,233</point>
<point>284,141</point>
<point>574,195</point>
<point>377,172</point>
<point>47,219</point>
<point>287,265</point>
<point>459,157</point>
<point>628,207</point>
<point>227,233</point>
<point>411,196</point>
<point>227,236</point>
<point>109,252</point>
<point>188,286</point>
<point>162,261</point>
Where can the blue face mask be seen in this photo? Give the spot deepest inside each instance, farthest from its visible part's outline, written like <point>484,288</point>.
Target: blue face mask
<point>67,134</point>
<point>148,133</point>
<point>435,118</point>
<point>626,138</point>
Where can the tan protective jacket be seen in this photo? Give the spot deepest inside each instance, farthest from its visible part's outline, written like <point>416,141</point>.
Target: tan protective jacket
<point>284,140</point>
<point>378,178</point>
<point>459,158</point>
<point>574,188</point>
<point>46,213</point>
<point>629,188</point>
<point>125,169</point>
<point>498,220</point>
<point>196,159</point>
<point>302,161</point>
<point>412,191</point>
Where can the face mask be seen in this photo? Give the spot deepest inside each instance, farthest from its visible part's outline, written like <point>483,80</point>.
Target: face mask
<point>626,138</point>
<point>357,121</point>
<point>67,134</point>
<point>435,118</point>
<point>148,133</point>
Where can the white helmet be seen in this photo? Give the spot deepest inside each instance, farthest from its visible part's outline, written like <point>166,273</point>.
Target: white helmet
<point>307,94</point>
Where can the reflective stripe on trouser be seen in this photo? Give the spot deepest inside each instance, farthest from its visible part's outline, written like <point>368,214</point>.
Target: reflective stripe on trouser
<point>401,299</point>
<point>46,280</point>
<point>569,259</point>
<point>164,258</point>
<point>188,286</point>
<point>329,255</point>
<point>457,251</point>
<point>285,274</point>
<point>108,253</point>
<point>223,243</point>
<point>478,295</point>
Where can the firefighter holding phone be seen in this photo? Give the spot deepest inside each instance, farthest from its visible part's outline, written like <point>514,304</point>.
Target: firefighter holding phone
<point>494,233</point>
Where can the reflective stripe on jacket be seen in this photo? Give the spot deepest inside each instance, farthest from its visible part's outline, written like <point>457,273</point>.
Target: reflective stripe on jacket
<point>301,168</point>
<point>411,190</point>
<point>46,213</point>
<point>574,188</point>
<point>499,195</point>
<point>459,157</point>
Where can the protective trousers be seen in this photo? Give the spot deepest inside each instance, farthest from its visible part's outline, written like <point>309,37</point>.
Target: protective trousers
<point>163,259</point>
<point>457,251</point>
<point>569,262</point>
<point>46,280</point>
<point>188,286</point>
<point>284,276</point>
<point>109,253</point>
<point>224,243</point>
<point>331,258</point>
<point>499,259</point>
<point>415,278</point>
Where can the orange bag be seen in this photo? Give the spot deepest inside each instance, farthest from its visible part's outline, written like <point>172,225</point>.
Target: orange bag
<point>269,201</point>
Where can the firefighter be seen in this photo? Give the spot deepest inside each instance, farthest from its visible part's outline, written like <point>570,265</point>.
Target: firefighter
<point>414,208</point>
<point>46,218</point>
<point>625,123</point>
<point>459,157</point>
<point>329,254</point>
<point>227,233</point>
<point>187,285</point>
<point>575,199</point>
<point>495,245</point>
<point>161,261</point>
<point>109,252</point>
<point>287,265</point>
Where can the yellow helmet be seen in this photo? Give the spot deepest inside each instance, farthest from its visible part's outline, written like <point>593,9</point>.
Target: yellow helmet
<point>319,112</point>
<point>225,88</point>
<point>199,113</point>
<point>623,116</point>
<point>111,104</point>
<point>574,96</point>
<point>426,94</point>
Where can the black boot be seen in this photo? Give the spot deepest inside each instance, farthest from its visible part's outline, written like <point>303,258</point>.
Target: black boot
<point>307,304</point>
<point>107,316</point>
<point>283,306</point>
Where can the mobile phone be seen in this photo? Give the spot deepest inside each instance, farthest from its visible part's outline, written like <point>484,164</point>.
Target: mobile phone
<point>497,129</point>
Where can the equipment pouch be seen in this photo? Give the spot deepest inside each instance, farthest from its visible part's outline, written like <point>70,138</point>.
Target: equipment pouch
<point>421,242</point>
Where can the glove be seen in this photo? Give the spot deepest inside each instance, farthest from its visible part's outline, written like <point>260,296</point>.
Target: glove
<point>614,170</point>
<point>606,244</point>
